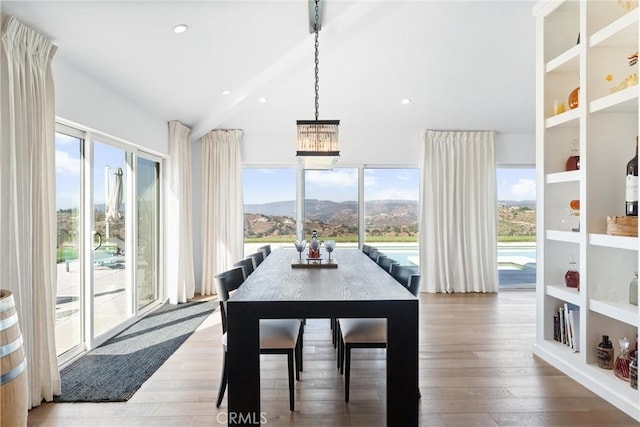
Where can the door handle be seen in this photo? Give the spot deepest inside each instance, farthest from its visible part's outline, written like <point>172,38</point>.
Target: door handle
<point>99,239</point>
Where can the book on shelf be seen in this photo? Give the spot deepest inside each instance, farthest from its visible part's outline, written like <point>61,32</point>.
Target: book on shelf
<point>566,326</point>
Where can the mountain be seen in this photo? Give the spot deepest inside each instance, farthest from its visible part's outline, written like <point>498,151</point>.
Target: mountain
<point>529,204</point>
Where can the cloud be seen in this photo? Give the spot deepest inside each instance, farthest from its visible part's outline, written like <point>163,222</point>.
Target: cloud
<point>394,194</point>
<point>345,178</point>
<point>66,165</point>
<point>524,189</point>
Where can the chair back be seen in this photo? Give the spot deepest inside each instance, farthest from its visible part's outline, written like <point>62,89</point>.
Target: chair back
<point>373,254</point>
<point>409,277</point>
<point>226,282</point>
<point>366,249</point>
<point>385,263</point>
<point>266,250</point>
<point>247,266</point>
<point>257,258</point>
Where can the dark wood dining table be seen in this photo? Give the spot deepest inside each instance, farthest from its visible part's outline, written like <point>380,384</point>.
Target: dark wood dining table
<point>357,288</point>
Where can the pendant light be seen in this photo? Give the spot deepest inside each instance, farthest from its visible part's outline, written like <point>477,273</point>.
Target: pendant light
<point>317,139</point>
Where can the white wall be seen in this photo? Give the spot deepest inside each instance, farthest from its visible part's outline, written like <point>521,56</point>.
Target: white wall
<point>82,100</point>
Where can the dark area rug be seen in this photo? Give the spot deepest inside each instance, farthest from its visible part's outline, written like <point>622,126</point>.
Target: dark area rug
<point>115,370</point>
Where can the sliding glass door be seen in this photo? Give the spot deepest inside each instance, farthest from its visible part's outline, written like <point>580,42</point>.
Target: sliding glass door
<point>148,228</point>
<point>69,324</point>
<point>108,246</point>
<point>111,288</point>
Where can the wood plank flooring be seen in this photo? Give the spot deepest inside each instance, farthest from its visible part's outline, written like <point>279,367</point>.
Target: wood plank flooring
<point>476,369</point>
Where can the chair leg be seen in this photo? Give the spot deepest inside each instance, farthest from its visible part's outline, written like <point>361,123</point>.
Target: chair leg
<point>290,363</point>
<point>297,353</point>
<point>419,394</point>
<point>301,346</point>
<point>223,381</point>
<point>347,374</point>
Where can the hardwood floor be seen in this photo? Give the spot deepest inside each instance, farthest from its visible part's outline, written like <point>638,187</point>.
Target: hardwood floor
<point>476,369</point>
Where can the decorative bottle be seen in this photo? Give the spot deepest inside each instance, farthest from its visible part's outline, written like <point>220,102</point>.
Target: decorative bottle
<point>605,353</point>
<point>631,193</point>
<point>573,162</point>
<point>314,246</point>
<point>621,368</point>
<point>572,276</point>
<point>633,372</point>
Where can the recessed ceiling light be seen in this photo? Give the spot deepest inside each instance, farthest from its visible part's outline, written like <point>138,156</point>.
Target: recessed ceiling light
<point>180,28</point>
<point>226,92</point>
<point>262,100</point>
<point>405,101</point>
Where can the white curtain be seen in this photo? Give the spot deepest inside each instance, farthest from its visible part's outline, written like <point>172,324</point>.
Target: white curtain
<point>222,204</point>
<point>27,198</point>
<point>180,271</point>
<point>458,219</point>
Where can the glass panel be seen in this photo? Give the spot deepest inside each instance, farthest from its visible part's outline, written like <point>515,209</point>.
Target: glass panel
<point>269,207</point>
<point>391,213</point>
<point>148,198</point>
<point>516,226</point>
<point>69,285</point>
<point>331,205</point>
<point>109,262</point>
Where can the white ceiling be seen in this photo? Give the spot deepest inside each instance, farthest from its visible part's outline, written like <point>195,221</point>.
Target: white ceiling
<point>465,65</point>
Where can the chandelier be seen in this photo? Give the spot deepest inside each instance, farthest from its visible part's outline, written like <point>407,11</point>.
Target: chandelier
<point>317,139</point>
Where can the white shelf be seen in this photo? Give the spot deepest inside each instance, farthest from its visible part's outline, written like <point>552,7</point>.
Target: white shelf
<point>562,292</point>
<point>614,389</point>
<point>566,61</point>
<point>620,311</point>
<point>624,101</point>
<point>618,242</point>
<point>598,122</point>
<point>568,118</point>
<point>563,236</point>
<point>559,177</point>
<point>622,32</point>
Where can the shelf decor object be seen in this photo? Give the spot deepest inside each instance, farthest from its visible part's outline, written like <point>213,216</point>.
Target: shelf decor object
<point>573,98</point>
<point>621,368</point>
<point>622,225</point>
<point>317,139</point>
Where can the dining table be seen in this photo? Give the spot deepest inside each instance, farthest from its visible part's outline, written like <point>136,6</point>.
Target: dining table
<point>358,288</point>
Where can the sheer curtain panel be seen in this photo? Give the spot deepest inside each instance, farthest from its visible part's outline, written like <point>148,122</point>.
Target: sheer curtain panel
<point>458,215</point>
<point>27,194</point>
<point>180,271</point>
<point>222,204</point>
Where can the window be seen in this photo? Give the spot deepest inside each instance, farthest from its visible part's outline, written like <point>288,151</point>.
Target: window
<point>331,205</point>
<point>269,207</point>
<point>391,212</point>
<point>516,226</point>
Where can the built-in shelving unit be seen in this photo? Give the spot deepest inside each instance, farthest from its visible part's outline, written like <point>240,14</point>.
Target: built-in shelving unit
<point>586,44</point>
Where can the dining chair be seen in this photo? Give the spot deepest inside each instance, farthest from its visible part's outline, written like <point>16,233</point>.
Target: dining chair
<point>266,250</point>
<point>366,332</point>
<point>373,254</point>
<point>407,276</point>
<point>257,258</point>
<point>386,263</point>
<point>247,266</point>
<point>366,249</point>
<point>277,336</point>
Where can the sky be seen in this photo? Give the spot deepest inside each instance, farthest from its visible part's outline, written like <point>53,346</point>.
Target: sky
<point>279,184</point>
<point>341,184</point>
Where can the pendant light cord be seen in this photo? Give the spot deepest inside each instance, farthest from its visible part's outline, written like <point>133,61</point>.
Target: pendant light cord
<point>317,59</point>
